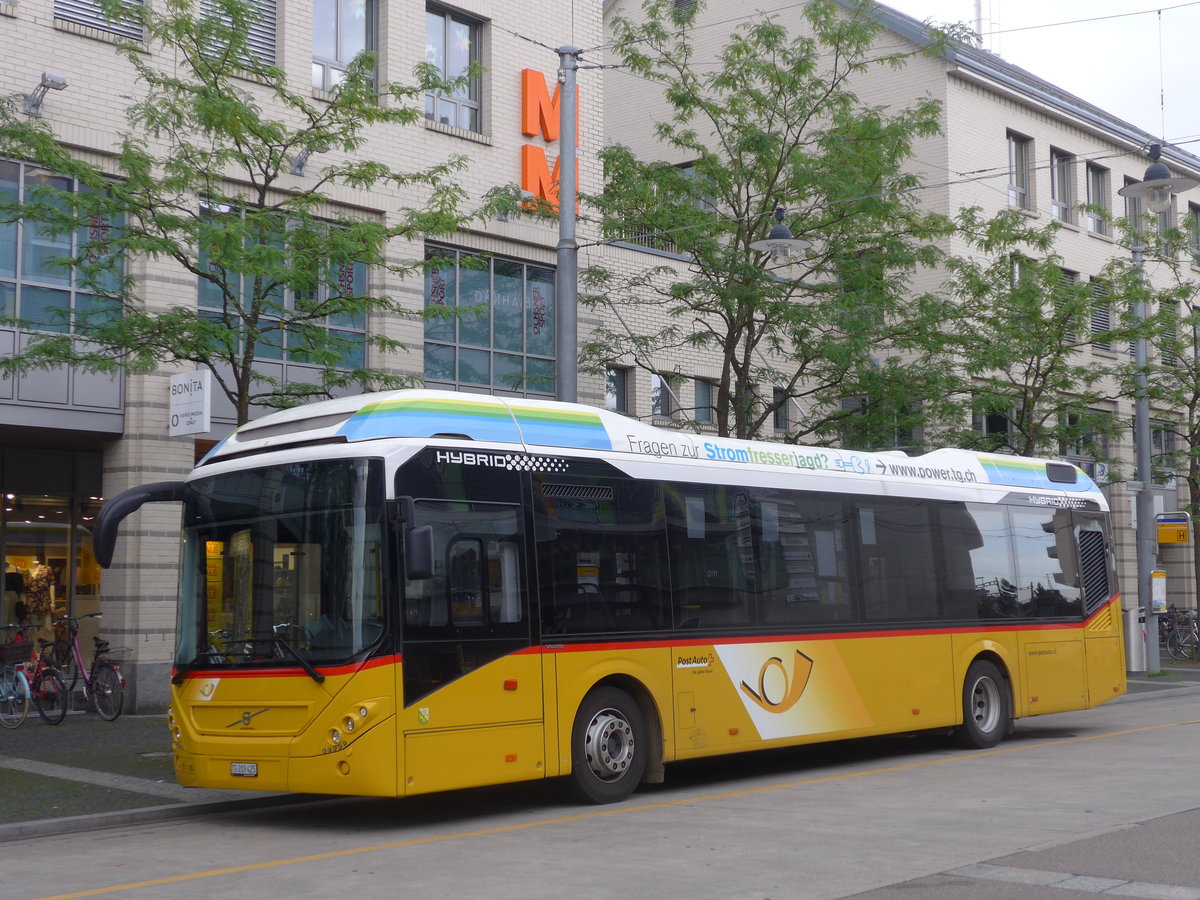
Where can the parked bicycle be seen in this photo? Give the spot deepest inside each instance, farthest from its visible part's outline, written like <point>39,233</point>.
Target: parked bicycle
<point>1183,643</point>
<point>14,685</point>
<point>49,691</point>
<point>102,681</point>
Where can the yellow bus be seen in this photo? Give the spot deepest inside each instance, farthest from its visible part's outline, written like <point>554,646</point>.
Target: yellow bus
<point>418,591</point>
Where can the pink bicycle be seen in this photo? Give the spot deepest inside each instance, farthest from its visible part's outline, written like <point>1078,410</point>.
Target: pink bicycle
<point>102,681</point>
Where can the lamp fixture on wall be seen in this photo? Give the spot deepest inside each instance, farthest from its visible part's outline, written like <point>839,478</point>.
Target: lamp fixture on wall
<point>49,82</point>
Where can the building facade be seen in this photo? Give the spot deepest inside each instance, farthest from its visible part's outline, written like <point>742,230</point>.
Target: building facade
<point>69,438</point>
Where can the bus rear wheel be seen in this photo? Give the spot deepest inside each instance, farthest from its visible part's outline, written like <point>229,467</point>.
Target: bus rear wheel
<point>608,746</point>
<point>987,707</point>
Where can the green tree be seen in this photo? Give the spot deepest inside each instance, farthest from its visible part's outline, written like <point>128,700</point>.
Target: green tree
<point>1019,324</point>
<point>774,123</point>
<point>202,177</point>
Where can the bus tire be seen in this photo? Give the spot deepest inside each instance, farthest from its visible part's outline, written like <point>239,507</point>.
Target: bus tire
<point>987,707</point>
<point>608,746</point>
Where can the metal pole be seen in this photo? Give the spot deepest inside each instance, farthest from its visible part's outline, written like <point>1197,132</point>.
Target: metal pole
<point>566,338</point>
<point>1146,537</point>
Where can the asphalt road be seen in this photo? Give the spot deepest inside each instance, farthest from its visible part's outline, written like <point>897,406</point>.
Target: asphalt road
<point>1101,801</point>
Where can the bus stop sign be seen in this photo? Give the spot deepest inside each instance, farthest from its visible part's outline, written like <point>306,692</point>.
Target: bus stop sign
<point>1174,527</point>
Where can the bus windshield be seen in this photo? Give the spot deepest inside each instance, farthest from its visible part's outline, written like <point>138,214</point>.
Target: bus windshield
<point>282,566</point>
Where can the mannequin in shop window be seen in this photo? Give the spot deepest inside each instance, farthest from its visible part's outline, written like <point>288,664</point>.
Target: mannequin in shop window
<point>39,593</point>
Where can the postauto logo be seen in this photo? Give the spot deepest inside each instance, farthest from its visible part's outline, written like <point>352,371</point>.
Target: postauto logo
<point>779,690</point>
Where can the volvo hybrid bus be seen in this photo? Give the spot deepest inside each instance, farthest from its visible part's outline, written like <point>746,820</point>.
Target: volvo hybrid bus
<point>417,591</point>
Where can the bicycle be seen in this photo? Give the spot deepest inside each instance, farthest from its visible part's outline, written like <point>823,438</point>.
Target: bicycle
<point>50,693</point>
<point>14,685</point>
<point>102,681</point>
<point>1183,642</point>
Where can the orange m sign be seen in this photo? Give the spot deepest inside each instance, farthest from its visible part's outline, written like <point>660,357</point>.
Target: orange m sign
<point>540,116</point>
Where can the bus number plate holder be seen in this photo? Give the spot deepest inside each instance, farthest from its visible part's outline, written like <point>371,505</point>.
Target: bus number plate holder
<point>243,769</point>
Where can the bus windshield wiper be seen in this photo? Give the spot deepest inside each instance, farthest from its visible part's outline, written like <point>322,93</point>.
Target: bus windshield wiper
<point>199,660</point>
<point>276,641</point>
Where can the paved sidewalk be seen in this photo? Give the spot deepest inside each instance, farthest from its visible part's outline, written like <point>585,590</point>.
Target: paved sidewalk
<point>87,773</point>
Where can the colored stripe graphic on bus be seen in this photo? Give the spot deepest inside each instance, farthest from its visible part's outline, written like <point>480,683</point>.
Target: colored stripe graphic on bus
<point>562,428</point>
<point>425,417</point>
<point>1028,473</point>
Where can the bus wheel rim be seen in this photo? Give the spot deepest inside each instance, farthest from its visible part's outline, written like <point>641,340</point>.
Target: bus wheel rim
<point>985,704</point>
<point>609,745</point>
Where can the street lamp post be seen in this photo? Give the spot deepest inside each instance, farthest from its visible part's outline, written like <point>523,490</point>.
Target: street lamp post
<point>1156,188</point>
<point>566,329</point>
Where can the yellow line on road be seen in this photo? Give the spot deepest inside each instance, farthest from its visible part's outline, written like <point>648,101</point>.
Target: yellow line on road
<point>595,814</point>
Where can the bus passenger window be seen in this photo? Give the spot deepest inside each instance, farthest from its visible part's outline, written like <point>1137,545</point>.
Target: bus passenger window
<point>899,574</point>
<point>601,553</point>
<point>711,554</point>
<point>1044,539</point>
<point>977,558</point>
<point>802,564</point>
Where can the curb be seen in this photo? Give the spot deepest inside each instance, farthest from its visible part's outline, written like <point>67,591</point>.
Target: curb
<point>16,831</point>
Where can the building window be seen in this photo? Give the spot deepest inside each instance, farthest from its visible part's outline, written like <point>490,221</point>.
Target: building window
<point>260,33</point>
<point>1020,156</point>
<point>1133,210</point>
<point>37,284</point>
<point>228,295</point>
<point>1062,170</point>
<point>1162,449</point>
<point>1081,444</point>
<point>704,202</point>
<point>489,323</point>
<point>780,418</point>
<point>1097,196</point>
<point>875,427</point>
<point>616,389</point>
<point>706,401</point>
<point>1101,316</point>
<point>452,48</point>
<point>342,29</point>
<point>993,423</point>
<point>1168,312</point>
<point>1193,226</point>
<point>91,14</point>
<point>664,395</point>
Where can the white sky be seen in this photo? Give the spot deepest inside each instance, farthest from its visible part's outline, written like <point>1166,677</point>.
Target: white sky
<point>1129,66</point>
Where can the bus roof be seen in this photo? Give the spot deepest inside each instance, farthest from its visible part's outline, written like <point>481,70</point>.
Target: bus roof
<point>542,426</point>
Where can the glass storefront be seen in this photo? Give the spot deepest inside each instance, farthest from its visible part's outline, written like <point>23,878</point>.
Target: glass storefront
<point>50,498</point>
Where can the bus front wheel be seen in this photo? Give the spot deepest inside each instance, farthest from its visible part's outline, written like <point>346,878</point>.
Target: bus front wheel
<point>608,746</point>
<point>987,707</point>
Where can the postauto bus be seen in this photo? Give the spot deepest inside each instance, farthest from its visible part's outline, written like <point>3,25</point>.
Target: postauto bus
<point>417,591</point>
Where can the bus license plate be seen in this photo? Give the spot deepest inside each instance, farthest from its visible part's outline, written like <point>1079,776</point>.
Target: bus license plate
<point>244,770</point>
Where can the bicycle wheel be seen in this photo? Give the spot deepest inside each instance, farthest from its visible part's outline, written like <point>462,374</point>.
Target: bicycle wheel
<point>14,697</point>
<point>1175,646</point>
<point>50,696</point>
<point>107,692</point>
<point>1187,645</point>
<point>61,657</point>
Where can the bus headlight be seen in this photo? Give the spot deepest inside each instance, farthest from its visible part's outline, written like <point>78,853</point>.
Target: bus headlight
<point>349,724</point>
<point>335,736</point>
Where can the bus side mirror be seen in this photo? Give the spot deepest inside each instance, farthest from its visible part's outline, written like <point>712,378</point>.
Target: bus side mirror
<point>418,552</point>
<point>114,511</point>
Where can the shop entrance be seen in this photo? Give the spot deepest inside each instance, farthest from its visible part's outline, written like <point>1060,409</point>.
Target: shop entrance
<point>49,499</point>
